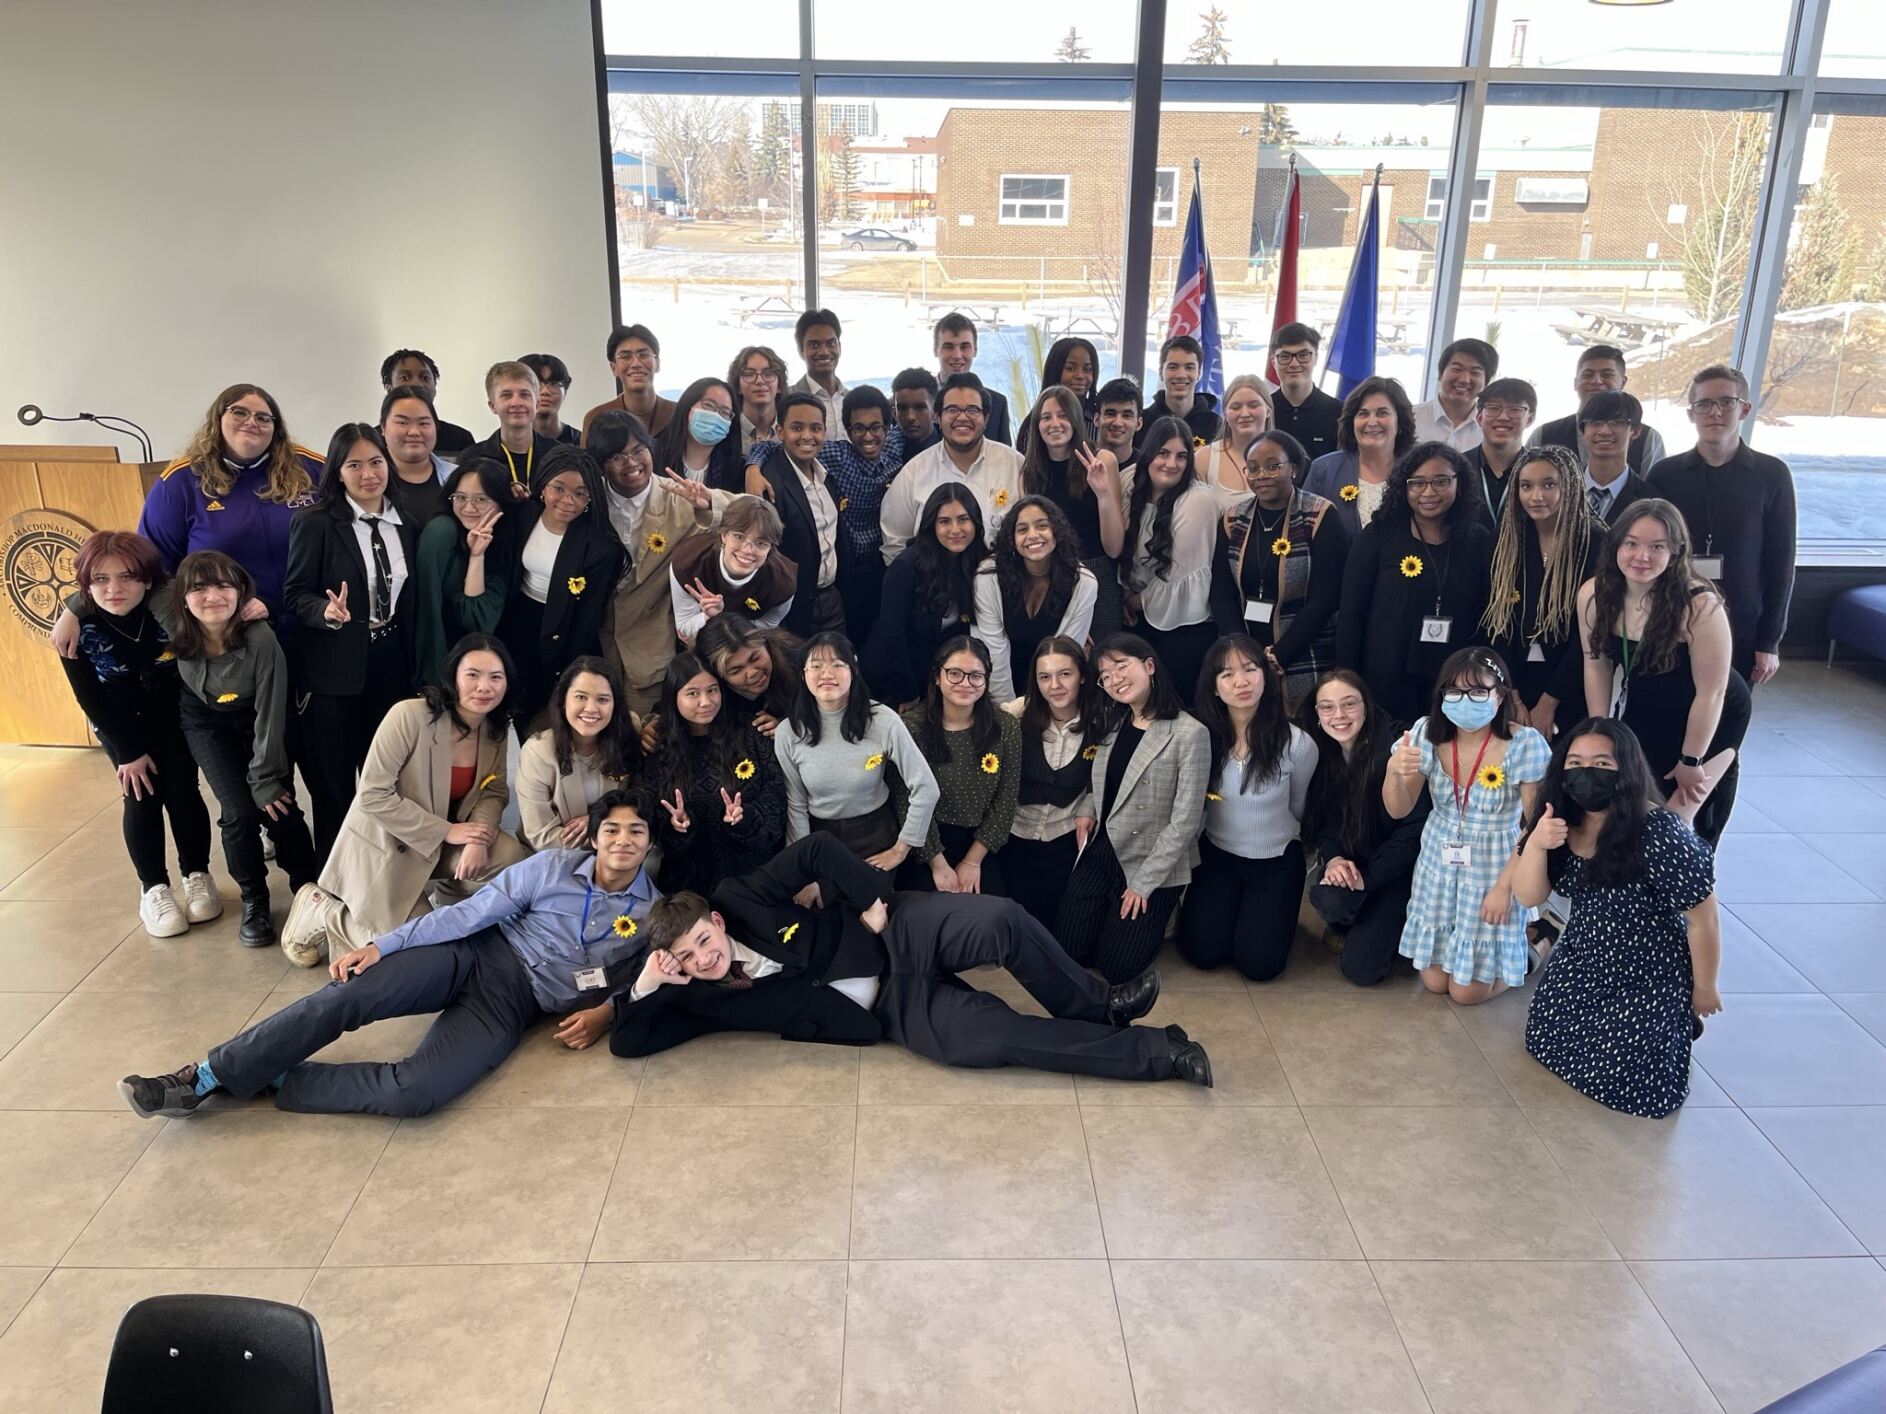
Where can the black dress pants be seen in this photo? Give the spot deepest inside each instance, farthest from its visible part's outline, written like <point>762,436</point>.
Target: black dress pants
<point>334,730</point>
<point>478,986</point>
<point>1035,873</point>
<point>176,795</point>
<point>223,743</point>
<point>1242,910</point>
<point>924,1006</point>
<point>1089,925</point>
<point>914,873</point>
<point>1370,920</point>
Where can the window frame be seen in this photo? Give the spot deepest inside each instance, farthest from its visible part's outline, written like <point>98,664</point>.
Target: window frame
<point>1003,201</point>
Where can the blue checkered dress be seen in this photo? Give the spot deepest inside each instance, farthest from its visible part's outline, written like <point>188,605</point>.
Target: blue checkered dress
<point>1444,924</point>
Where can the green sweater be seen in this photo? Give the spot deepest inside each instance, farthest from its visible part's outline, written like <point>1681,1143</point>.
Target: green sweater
<point>444,615</point>
<point>971,796</point>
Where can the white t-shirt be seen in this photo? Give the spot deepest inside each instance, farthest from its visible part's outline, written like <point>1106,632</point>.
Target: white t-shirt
<point>540,562</point>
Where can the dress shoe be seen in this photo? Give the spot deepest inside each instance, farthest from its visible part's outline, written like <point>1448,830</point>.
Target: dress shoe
<point>258,929</point>
<point>1189,1061</point>
<point>1129,1001</point>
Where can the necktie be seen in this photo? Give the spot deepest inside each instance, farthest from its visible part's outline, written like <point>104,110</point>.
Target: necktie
<point>1600,499</point>
<point>736,977</point>
<point>382,575</point>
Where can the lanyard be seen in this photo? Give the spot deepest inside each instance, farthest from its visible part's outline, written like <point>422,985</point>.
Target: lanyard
<point>582,929</point>
<point>530,456</point>
<point>1463,793</point>
<point>1440,583</point>
<point>1624,651</point>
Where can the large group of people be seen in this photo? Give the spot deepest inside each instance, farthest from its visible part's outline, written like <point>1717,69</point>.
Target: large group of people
<point>823,695</point>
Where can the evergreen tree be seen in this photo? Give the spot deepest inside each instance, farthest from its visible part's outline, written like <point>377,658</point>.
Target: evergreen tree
<point>1071,50</point>
<point>844,167</point>
<point>1274,128</point>
<point>1212,45</point>
<point>1823,250</point>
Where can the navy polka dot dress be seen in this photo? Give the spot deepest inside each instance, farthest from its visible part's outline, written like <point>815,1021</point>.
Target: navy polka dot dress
<point>1611,1015</point>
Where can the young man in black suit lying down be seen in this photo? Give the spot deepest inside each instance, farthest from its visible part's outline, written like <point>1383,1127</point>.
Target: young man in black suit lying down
<point>861,967</point>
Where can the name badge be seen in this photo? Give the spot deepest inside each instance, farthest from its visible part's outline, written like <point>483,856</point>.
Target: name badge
<point>1536,653</point>
<point>1258,611</point>
<point>1435,629</point>
<point>588,979</point>
<point>1708,566</point>
<point>1460,854</point>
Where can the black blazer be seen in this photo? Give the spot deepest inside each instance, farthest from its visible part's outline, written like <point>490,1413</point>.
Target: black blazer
<point>1631,488</point>
<point>323,554</point>
<point>800,542</point>
<point>905,636</point>
<point>811,945</point>
<point>1378,628</point>
<point>590,559</point>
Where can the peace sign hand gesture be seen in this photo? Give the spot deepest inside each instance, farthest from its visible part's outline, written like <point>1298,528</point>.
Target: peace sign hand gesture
<point>710,602</point>
<point>336,612</point>
<point>478,537</point>
<point>1095,467</point>
<point>677,814</point>
<point>693,492</point>
<point>735,812</point>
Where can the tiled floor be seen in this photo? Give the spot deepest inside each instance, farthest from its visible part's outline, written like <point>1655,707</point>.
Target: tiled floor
<point>1385,1204</point>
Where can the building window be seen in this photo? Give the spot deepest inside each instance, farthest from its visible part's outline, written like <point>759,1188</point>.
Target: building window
<point>1166,196</point>
<point>1030,200</point>
<point>1679,213</point>
<point>1480,210</point>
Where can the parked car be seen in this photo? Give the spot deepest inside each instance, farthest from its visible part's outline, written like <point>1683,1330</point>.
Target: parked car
<point>872,238</point>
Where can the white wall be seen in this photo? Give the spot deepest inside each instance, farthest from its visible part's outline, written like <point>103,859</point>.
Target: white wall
<point>195,193</point>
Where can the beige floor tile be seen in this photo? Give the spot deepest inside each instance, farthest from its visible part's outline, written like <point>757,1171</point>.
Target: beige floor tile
<point>53,1356</point>
<point>972,1181</point>
<point>1542,1337</point>
<point>1245,1068</point>
<point>49,947</point>
<point>485,1185</point>
<point>1451,1184</point>
<point>17,1285</point>
<point>1759,1329</point>
<point>543,1073</point>
<point>1230,1183</point>
<point>57,1170</point>
<point>1314,968</point>
<point>466,1339</point>
<point>87,864</point>
<point>23,846</point>
<point>74,1059</point>
<point>393,1039</point>
<point>1178,975</point>
<point>688,1337</point>
<point>245,1187</point>
<point>1841,1152</point>
<point>1374,1048</point>
<point>1793,1051</point>
<point>20,1012</point>
<point>1701,1183</point>
<point>208,957</point>
<point>751,1182</point>
<point>72,788</point>
<point>1750,965</point>
<point>1308,1337</point>
<point>744,1068</point>
<point>997,1337</point>
<point>1498,1028</point>
<point>890,1075</point>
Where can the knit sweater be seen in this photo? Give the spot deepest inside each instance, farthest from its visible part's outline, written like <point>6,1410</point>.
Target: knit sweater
<point>1260,823</point>
<point>842,780</point>
<point>970,794</point>
<point>710,850</point>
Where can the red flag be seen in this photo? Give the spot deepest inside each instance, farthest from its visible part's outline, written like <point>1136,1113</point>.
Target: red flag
<point>1287,267</point>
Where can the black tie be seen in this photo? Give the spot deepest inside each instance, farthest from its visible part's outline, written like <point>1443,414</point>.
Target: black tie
<point>382,576</point>
<point>1600,500</point>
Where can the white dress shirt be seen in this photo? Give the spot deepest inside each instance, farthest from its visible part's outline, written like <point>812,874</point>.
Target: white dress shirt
<point>395,552</point>
<point>824,519</point>
<point>833,402</point>
<point>626,512</point>
<point>995,476</point>
<point>1432,424</point>
<point>1609,491</point>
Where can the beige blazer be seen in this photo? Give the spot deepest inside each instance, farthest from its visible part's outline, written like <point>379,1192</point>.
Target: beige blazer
<point>546,797</point>
<point>393,839</point>
<point>1160,808</point>
<point>638,634</point>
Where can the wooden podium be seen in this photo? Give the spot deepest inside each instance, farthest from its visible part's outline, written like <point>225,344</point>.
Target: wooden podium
<point>51,499</point>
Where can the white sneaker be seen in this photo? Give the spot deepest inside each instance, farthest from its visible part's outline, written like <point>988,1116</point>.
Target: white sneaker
<point>162,918</point>
<point>268,845</point>
<point>303,936</point>
<point>201,902</point>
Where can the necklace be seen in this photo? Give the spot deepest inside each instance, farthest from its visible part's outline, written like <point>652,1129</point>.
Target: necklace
<point>106,617</point>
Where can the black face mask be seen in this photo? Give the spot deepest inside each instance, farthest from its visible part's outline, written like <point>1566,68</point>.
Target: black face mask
<point>1590,787</point>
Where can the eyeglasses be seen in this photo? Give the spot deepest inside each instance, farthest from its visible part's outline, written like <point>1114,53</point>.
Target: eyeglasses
<point>1282,357</point>
<point>634,356</point>
<point>970,413</point>
<point>758,375</point>
<point>1468,694</point>
<point>956,677</point>
<point>242,417</point>
<point>470,503</point>
<point>1616,424</point>
<point>1344,704</point>
<point>1430,483</point>
<point>1504,409</point>
<point>580,496</point>
<point>1715,404</point>
<point>1272,468</point>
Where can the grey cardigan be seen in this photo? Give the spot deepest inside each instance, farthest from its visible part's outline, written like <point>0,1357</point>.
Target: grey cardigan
<point>1156,815</point>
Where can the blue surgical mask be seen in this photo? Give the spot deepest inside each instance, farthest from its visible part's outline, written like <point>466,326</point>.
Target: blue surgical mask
<point>1469,715</point>
<point>708,427</point>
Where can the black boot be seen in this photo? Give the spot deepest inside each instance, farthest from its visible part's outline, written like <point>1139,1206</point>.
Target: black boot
<point>1129,1001</point>
<point>258,929</point>
<point>1189,1061</point>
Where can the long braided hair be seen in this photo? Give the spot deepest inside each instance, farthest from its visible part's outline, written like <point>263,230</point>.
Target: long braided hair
<point>1557,614</point>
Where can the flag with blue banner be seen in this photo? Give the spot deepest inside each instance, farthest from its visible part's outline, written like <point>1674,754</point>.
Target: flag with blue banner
<point>1352,345</point>
<point>1195,300</point>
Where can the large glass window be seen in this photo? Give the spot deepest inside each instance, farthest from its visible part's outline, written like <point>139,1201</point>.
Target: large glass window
<point>1855,46</point>
<point>733,29</point>
<point>1338,33</point>
<point>1606,36</point>
<point>977,31</point>
<point>1822,401</point>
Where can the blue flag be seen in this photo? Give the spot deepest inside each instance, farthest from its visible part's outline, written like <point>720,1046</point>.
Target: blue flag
<point>1195,300</point>
<point>1352,345</point>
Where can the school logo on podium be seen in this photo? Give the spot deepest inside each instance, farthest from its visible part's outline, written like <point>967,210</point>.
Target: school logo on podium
<point>39,553</point>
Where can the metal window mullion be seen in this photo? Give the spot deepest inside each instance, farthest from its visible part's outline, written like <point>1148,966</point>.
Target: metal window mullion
<point>1463,165</point>
<point>1141,174</point>
<point>808,148</point>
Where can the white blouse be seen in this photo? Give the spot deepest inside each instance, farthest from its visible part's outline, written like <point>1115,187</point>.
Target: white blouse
<point>1184,596</point>
<point>990,629</point>
<point>540,562</point>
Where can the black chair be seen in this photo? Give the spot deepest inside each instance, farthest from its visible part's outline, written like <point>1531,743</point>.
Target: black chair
<point>217,1355</point>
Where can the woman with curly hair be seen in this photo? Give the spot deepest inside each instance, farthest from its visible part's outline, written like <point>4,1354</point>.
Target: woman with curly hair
<point>1172,525</point>
<point>1545,547</point>
<point>721,794</point>
<point>1376,429</point>
<point>1657,654</point>
<point>929,594</point>
<point>755,668</point>
<point>1415,587</point>
<point>235,489</point>
<point>1034,588</point>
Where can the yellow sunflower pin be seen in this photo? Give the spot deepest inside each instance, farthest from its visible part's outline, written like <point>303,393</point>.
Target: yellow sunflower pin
<point>1350,492</point>
<point>577,583</point>
<point>488,780</point>
<point>743,769</point>
<point>1001,499</point>
<point>785,934</point>
<point>1513,596</point>
<point>1411,567</point>
<point>227,697</point>
<point>214,506</point>
<point>656,541</point>
<point>624,926</point>
<point>752,603</point>
<point>1492,777</point>
<point>1280,546</point>
<point>1198,441</point>
<point>1213,795</point>
<point>844,503</point>
<point>991,763</point>
<point>874,760</point>
<point>1089,753</point>
<point>167,656</point>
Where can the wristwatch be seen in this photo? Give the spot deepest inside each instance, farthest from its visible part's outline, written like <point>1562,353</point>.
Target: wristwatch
<point>1689,760</point>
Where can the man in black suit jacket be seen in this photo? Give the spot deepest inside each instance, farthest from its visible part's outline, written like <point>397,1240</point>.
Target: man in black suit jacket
<point>756,959</point>
<point>814,539</point>
<point>1612,427</point>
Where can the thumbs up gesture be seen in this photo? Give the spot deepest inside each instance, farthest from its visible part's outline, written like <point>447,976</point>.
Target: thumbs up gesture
<point>1406,762</point>
<point>1548,832</point>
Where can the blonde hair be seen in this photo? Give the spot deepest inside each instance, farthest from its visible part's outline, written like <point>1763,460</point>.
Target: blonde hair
<point>1556,616</point>
<point>208,455</point>
<point>511,368</point>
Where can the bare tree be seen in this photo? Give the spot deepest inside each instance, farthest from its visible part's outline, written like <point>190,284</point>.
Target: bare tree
<point>1714,251</point>
<point>687,135</point>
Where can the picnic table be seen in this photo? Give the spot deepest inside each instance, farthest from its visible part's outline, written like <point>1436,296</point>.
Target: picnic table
<point>1627,330</point>
<point>751,305</point>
